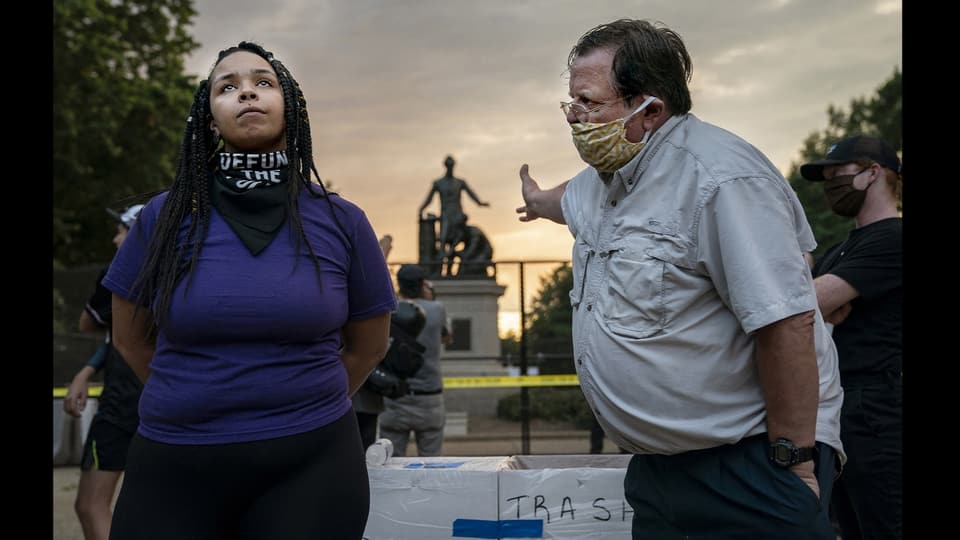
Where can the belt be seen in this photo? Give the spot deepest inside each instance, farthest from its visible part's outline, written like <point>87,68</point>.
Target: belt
<point>425,392</point>
<point>882,378</point>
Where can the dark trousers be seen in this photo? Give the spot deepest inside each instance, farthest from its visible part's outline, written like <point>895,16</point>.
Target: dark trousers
<point>868,495</point>
<point>300,487</point>
<point>596,438</point>
<point>368,428</point>
<point>730,492</point>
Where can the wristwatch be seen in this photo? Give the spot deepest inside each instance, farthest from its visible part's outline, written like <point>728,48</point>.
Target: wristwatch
<point>784,453</point>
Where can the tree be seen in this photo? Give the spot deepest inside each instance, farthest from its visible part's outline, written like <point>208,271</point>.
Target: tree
<point>879,116</point>
<point>549,330</point>
<point>120,96</point>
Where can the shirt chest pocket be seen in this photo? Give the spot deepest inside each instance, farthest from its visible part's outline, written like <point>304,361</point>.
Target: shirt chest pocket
<point>582,254</point>
<point>633,297</point>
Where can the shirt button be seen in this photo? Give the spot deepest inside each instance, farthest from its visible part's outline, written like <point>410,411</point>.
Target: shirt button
<point>613,203</point>
<point>589,307</point>
<point>580,361</point>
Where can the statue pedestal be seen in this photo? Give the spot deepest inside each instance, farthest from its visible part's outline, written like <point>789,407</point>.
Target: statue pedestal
<point>472,308</point>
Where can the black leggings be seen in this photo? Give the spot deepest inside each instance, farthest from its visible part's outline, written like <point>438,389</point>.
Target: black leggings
<point>308,486</point>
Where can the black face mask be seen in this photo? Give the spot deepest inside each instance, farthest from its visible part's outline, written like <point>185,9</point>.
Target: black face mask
<point>842,197</point>
<point>250,192</point>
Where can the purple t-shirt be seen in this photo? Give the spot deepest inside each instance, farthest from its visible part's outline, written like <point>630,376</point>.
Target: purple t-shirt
<point>251,351</point>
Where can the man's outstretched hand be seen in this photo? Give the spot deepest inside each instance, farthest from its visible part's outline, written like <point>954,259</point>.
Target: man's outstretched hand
<point>529,189</point>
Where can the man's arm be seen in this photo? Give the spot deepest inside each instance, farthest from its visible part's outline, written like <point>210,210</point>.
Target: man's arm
<point>77,393</point>
<point>88,325</point>
<point>131,337</point>
<point>790,380</point>
<point>386,245</point>
<point>540,203</point>
<point>834,295</point>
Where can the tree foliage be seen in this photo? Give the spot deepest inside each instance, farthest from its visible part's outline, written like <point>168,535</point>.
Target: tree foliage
<point>880,116</point>
<point>120,96</point>
<point>549,330</point>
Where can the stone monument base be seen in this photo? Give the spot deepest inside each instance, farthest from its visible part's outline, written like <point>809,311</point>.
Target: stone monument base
<point>472,309</point>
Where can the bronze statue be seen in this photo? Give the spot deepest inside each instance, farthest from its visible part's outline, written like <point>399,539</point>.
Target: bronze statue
<point>453,222</point>
<point>476,255</point>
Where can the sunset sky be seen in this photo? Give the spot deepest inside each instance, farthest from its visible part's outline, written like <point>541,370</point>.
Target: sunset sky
<point>394,86</point>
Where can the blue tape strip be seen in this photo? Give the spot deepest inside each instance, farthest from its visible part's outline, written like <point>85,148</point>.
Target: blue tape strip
<point>441,465</point>
<point>505,528</point>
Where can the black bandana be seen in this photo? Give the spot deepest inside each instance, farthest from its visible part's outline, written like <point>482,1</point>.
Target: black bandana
<point>250,192</point>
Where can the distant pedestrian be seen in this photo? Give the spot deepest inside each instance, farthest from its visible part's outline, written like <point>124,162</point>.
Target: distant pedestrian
<point>113,425</point>
<point>422,411</point>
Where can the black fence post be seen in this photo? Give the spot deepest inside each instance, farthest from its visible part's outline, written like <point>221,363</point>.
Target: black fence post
<point>524,393</point>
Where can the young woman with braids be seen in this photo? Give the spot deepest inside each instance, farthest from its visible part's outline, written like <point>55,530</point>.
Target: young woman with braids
<point>253,304</point>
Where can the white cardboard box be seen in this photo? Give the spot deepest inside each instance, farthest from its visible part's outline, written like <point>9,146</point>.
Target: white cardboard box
<point>421,498</point>
<point>577,497</point>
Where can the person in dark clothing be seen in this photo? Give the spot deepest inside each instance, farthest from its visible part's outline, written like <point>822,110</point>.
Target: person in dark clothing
<point>116,419</point>
<point>859,286</point>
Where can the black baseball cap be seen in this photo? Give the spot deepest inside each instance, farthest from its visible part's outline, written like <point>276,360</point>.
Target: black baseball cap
<point>411,275</point>
<point>853,149</point>
<point>129,215</point>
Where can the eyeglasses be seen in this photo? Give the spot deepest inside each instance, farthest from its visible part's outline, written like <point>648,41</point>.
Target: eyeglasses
<point>581,112</point>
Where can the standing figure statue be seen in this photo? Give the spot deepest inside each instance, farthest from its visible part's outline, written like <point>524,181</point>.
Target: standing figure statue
<point>452,219</point>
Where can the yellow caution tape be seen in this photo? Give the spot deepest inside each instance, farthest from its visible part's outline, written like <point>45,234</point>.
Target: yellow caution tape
<point>510,382</point>
<point>448,382</point>
<point>92,391</point>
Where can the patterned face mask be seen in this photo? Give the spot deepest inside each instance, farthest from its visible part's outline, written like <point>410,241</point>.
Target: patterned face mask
<point>605,146</point>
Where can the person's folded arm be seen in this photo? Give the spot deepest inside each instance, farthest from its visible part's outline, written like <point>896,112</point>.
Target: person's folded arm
<point>131,336</point>
<point>833,293</point>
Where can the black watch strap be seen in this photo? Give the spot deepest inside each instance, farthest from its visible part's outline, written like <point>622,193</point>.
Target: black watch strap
<point>784,453</point>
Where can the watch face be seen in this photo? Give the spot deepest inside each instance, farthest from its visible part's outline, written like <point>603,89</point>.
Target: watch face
<point>781,453</point>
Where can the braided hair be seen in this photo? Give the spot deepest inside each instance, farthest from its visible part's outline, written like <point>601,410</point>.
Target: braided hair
<point>169,261</point>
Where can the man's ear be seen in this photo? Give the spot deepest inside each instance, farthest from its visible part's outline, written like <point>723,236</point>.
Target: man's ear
<point>652,114</point>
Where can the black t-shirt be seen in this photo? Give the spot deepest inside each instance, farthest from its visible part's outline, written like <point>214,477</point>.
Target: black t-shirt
<point>870,340</point>
<point>120,397</point>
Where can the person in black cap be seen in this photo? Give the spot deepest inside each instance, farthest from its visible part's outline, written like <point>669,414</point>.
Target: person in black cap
<point>422,410</point>
<point>859,286</point>
<point>105,449</point>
